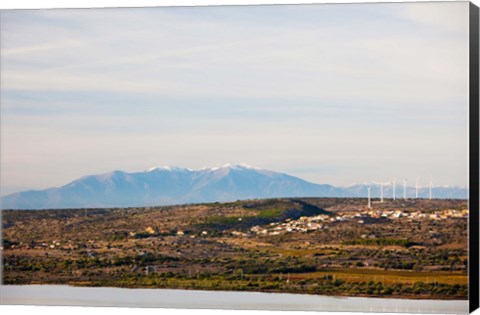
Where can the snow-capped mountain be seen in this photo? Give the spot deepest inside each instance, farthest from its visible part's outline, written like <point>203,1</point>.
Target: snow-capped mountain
<point>164,185</point>
<point>170,185</point>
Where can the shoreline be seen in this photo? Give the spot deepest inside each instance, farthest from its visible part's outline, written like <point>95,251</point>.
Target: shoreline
<point>414,297</point>
<point>68,295</point>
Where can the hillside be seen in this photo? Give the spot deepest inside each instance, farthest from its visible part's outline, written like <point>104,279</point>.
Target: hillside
<point>412,249</point>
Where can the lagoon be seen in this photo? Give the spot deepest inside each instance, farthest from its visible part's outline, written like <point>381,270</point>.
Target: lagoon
<point>169,298</point>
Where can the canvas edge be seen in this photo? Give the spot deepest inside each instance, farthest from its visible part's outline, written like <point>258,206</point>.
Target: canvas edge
<point>474,159</point>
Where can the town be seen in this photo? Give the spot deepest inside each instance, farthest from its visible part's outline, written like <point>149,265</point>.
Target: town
<point>307,224</point>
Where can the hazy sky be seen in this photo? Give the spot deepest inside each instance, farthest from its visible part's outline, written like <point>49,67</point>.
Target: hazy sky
<point>331,93</point>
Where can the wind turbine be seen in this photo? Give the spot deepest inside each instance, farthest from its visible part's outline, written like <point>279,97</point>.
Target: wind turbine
<point>381,192</point>
<point>369,202</point>
<point>394,188</point>
<point>416,187</point>
<point>430,189</point>
<point>404,188</point>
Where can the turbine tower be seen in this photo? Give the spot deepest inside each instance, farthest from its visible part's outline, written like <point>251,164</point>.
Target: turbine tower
<point>381,192</point>
<point>416,187</point>
<point>394,188</point>
<point>404,188</point>
<point>369,202</point>
<point>430,189</point>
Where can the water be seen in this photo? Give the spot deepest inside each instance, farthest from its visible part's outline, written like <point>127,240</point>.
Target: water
<point>167,298</point>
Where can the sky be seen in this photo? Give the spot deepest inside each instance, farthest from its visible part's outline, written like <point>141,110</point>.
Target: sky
<point>336,94</point>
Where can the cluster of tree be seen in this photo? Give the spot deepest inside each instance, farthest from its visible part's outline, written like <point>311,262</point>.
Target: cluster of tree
<point>380,242</point>
<point>328,285</point>
<point>259,265</point>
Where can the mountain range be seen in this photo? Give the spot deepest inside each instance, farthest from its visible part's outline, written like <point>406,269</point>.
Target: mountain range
<point>173,185</point>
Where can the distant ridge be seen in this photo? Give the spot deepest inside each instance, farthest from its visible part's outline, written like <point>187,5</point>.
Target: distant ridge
<point>165,185</point>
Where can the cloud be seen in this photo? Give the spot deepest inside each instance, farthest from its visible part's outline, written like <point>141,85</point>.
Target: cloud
<point>174,54</point>
<point>450,17</point>
<point>274,86</point>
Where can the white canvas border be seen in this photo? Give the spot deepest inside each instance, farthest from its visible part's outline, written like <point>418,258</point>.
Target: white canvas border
<point>50,4</point>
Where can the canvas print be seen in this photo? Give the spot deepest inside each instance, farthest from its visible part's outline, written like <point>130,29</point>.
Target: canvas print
<point>265,157</point>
